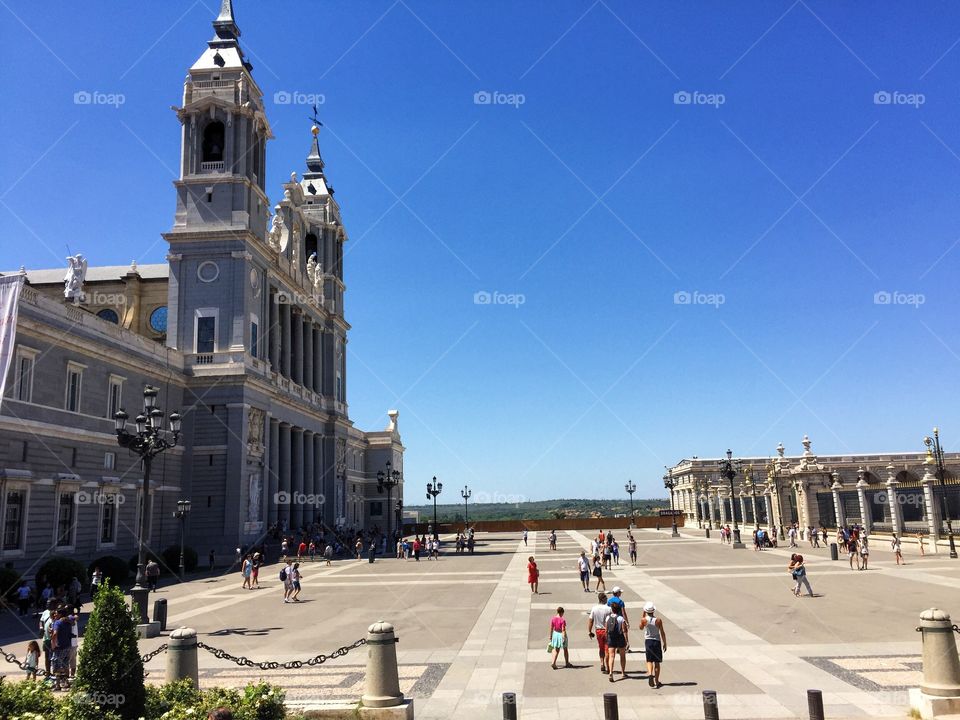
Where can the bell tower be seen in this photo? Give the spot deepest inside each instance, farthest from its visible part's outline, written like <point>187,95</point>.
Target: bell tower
<point>220,223</point>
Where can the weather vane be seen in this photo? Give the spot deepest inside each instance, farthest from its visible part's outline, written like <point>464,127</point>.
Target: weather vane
<point>314,118</point>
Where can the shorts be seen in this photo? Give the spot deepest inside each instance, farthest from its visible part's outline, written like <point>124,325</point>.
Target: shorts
<point>296,584</point>
<point>654,651</point>
<point>619,643</point>
<point>602,641</point>
<point>61,660</point>
<point>584,576</point>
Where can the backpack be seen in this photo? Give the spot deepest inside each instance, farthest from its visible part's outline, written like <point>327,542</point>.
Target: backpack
<point>283,574</point>
<point>614,630</point>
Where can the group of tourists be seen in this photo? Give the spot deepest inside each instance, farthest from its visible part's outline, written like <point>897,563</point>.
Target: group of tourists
<point>59,632</point>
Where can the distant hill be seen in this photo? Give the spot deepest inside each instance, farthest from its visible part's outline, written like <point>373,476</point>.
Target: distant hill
<point>540,509</point>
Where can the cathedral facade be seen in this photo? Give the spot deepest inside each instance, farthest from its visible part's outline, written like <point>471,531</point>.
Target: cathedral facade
<point>242,331</point>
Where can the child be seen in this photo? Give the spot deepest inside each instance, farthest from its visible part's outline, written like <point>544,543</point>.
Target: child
<point>32,659</point>
<point>558,639</point>
<point>897,550</point>
<point>533,575</point>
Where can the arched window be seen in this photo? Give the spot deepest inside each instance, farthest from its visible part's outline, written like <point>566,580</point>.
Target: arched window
<point>311,246</point>
<point>109,315</point>
<point>213,142</point>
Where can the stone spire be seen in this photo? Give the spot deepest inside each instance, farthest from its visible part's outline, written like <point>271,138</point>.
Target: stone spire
<point>225,26</point>
<point>314,161</point>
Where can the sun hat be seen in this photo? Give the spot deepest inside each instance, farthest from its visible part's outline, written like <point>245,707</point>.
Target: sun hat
<point>649,607</point>
<point>616,590</point>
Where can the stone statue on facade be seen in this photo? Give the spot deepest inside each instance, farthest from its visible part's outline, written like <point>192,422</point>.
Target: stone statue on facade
<point>392,425</point>
<point>275,232</point>
<point>73,280</point>
<point>295,250</point>
<point>311,267</point>
<point>255,417</point>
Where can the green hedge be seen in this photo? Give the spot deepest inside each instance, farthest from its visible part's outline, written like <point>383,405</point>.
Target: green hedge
<point>171,556</point>
<point>61,571</point>
<point>113,568</point>
<point>9,582</point>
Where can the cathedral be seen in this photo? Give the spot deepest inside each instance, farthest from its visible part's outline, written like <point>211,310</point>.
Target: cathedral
<point>242,331</point>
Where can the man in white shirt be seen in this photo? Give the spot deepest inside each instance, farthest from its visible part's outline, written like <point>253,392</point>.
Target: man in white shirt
<point>597,626</point>
<point>584,565</point>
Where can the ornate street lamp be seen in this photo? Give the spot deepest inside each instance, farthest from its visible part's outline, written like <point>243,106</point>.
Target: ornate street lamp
<point>465,494</point>
<point>148,441</point>
<point>631,488</point>
<point>934,445</point>
<point>670,484</point>
<point>388,479</point>
<point>729,469</point>
<point>434,489</point>
<point>181,513</point>
<point>399,517</point>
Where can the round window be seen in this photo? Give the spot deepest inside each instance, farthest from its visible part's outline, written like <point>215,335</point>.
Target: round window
<point>158,319</point>
<point>109,315</point>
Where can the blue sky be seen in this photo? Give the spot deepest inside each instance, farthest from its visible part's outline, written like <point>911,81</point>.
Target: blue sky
<point>803,201</point>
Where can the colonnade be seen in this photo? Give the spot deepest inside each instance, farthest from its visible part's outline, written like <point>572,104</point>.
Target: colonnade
<point>297,486</point>
<point>297,346</point>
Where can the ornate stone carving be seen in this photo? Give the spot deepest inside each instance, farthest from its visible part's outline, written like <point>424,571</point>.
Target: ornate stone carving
<point>392,425</point>
<point>295,250</point>
<point>311,266</point>
<point>73,280</point>
<point>275,233</point>
<point>255,417</point>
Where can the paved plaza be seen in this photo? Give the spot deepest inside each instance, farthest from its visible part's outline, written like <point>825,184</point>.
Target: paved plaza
<point>470,629</point>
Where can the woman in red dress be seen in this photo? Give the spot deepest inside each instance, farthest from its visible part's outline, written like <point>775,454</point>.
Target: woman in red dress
<point>533,575</point>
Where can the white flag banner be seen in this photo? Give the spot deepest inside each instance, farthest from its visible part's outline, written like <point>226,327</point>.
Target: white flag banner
<point>9,303</point>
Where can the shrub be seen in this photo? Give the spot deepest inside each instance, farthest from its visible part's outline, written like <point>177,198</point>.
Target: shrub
<point>109,665</point>
<point>60,571</point>
<point>113,569</point>
<point>171,559</point>
<point>20,698</point>
<point>9,582</point>
<point>82,706</point>
<point>150,555</point>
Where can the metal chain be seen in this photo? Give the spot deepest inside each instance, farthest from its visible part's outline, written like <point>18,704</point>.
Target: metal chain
<point>151,655</point>
<point>11,658</point>
<point>273,665</point>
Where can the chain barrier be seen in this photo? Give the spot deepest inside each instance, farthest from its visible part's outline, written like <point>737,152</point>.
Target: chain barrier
<point>11,658</point>
<point>273,665</point>
<point>151,655</point>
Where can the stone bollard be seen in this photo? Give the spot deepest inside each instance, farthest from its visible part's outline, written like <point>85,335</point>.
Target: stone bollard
<point>182,656</point>
<point>382,689</point>
<point>939,693</point>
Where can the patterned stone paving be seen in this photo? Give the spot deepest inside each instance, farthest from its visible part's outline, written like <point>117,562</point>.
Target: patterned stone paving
<point>875,673</point>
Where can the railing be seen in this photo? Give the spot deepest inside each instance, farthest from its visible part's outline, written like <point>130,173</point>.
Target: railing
<point>211,166</point>
<point>213,84</point>
<point>205,359</point>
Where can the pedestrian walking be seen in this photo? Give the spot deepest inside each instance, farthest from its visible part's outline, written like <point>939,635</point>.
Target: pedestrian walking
<point>74,644</point>
<point>211,560</point>
<point>247,571</point>
<point>96,580</point>
<point>920,543</point>
<point>864,553</point>
<point>287,580</point>
<point>524,538</point>
<point>792,535</point>
<point>616,552</point>
<point>558,639</point>
<point>416,548</point>
<point>23,598</point>
<point>654,643</point>
<point>853,552</point>
<point>633,549</point>
<point>897,548</point>
<point>607,556</point>
<point>799,574</point>
<point>597,627</point>
<point>598,572</point>
<point>256,562</point>
<point>617,601</point>
<point>328,554</point>
<point>583,564</point>
<point>533,575</point>
<point>553,539</point>
<point>617,639</point>
<point>153,573</point>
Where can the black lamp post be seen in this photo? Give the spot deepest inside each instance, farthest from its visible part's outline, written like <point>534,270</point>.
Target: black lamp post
<point>388,479</point>
<point>399,516</point>
<point>465,494</point>
<point>728,469</point>
<point>631,488</point>
<point>149,441</point>
<point>433,489</point>
<point>670,483</point>
<point>181,513</point>
<point>941,474</point>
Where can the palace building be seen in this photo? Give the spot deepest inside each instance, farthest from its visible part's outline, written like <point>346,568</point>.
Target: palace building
<point>242,330</point>
<point>884,492</point>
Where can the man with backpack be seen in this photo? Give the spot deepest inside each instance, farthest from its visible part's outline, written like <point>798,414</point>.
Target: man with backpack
<point>287,580</point>
<point>597,626</point>
<point>617,638</point>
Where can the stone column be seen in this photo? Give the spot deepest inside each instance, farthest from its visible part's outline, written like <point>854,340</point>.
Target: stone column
<point>931,506</point>
<point>285,339</point>
<point>308,354</point>
<point>273,471</point>
<point>296,480</point>
<point>710,509</point>
<point>865,518</point>
<point>743,508</point>
<point>308,479</point>
<point>297,375</point>
<point>318,360</point>
<point>318,477</point>
<point>896,520</point>
<point>273,334</point>
<point>837,508</point>
<point>723,508</point>
<point>283,479</point>
<point>769,505</point>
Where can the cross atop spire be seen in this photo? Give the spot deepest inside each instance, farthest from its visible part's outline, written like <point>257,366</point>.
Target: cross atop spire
<point>225,26</point>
